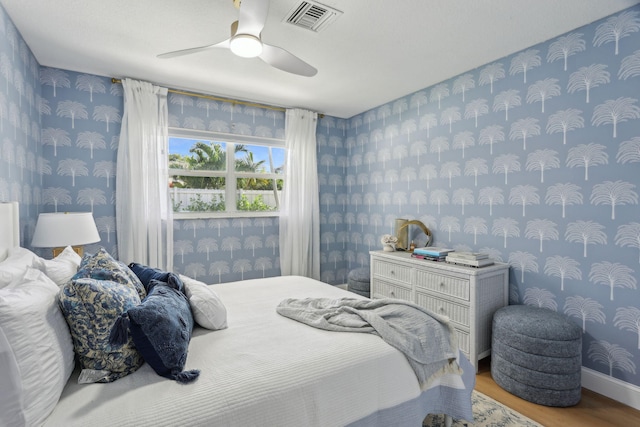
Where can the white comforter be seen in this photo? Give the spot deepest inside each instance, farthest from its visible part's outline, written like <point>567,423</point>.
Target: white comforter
<point>264,370</point>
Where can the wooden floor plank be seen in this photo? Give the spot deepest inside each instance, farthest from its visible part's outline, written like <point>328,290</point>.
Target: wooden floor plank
<point>594,410</point>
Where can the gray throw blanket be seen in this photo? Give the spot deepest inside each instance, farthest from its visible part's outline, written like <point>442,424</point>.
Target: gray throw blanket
<point>426,339</point>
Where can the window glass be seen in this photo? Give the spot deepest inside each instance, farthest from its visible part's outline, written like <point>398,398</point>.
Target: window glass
<point>259,159</point>
<point>187,195</point>
<point>258,194</point>
<point>195,154</point>
<point>210,176</point>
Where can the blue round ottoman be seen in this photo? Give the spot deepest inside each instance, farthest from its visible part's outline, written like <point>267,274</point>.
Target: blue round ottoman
<point>358,282</point>
<point>536,354</point>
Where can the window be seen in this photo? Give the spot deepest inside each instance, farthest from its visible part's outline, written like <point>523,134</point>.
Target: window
<point>212,175</point>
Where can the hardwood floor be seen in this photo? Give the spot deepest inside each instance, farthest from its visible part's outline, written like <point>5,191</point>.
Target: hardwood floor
<point>593,410</point>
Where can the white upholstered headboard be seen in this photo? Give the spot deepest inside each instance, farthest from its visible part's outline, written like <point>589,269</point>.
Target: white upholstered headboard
<point>9,227</point>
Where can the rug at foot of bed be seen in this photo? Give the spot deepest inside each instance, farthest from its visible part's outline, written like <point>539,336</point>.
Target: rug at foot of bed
<point>487,412</point>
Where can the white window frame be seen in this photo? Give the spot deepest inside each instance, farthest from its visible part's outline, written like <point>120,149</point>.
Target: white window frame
<point>230,174</point>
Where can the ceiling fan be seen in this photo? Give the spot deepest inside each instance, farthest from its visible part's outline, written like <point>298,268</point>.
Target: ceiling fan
<point>245,41</point>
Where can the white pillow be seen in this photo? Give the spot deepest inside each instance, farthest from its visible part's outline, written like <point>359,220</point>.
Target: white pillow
<point>36,351</point>
<point>63,267</point>
<point>16,264</point>
<point>206,306</point>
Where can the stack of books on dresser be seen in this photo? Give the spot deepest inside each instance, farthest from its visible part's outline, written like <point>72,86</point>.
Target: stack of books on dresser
<point>431,253</point>
<point>472,259</point>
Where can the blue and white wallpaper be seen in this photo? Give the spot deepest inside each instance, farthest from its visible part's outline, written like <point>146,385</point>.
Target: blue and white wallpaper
<point>21,154</point>
<point>534,158</point>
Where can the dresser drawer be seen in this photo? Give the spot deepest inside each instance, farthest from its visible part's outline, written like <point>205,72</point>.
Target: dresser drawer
<point>382,289</point>
<point>456,312</point>
<point>463,341</point>
<point>467,296</point>
<point>399,274</point>
<point>449,285</point>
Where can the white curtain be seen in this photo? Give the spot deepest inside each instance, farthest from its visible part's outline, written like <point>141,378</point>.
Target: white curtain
<point>300,208</point>
<point>143,216</point>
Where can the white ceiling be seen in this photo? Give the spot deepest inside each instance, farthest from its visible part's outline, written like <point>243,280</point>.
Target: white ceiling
<point>377,51</point>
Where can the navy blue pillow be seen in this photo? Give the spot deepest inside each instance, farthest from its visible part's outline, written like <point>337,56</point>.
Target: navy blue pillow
<point>161,329</point>
<point>146,274</point>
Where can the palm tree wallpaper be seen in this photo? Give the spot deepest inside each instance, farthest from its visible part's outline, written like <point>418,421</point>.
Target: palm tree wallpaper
<point>533,159</point>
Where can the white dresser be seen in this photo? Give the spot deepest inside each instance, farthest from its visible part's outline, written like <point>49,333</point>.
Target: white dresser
<point>468,296</point>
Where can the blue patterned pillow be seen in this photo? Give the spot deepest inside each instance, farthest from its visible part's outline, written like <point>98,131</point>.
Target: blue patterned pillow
<point>103,266</point>
<point>91,307</point>
<point>161,329</point>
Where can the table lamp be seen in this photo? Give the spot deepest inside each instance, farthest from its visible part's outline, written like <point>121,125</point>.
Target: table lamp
<point>61,229</point>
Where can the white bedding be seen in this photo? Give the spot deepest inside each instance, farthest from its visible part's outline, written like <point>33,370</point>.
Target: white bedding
<point>263,370</point>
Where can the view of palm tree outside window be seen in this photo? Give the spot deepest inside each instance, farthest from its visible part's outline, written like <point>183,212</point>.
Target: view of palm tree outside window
<point>222,176</point>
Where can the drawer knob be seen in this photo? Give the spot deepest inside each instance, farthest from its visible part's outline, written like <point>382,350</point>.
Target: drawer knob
<point>392,272</point>
<point>392,294</point>
<point>441,309</point>
<point>442,284</point>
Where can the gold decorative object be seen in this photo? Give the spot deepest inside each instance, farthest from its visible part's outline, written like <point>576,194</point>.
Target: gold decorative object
<point>401,231</point>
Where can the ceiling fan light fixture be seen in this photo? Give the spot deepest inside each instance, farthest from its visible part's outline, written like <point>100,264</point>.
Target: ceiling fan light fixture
<point>246,45</point>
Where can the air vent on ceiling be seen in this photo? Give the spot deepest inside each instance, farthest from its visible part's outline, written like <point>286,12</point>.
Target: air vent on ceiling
<point>312,15</point>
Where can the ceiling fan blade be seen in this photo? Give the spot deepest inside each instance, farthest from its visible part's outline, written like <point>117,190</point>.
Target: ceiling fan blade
<point>253,15</point>
<point>183,52</point>
<point>285,61</point>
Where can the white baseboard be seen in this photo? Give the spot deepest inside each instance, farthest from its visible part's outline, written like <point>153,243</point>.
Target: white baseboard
<point>615,389</point>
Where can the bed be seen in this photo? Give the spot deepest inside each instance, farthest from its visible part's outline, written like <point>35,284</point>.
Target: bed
<point>268,370</point>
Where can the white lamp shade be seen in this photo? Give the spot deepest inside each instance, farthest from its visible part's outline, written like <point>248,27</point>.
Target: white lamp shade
<point>65,229</point>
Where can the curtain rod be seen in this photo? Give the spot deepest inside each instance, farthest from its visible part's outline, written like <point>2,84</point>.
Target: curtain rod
<point>217,98</point>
